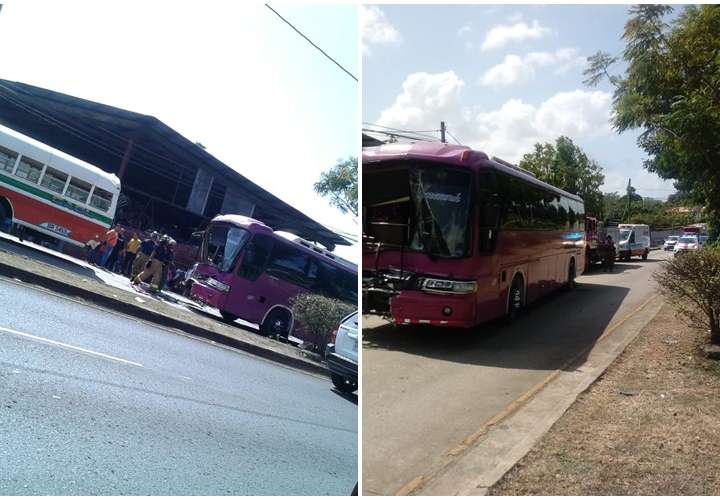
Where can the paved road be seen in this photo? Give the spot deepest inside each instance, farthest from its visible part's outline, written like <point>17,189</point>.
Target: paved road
<point>426,389</point>
<point>94,403</point>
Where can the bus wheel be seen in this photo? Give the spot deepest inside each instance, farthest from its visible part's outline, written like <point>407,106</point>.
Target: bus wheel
<point>5,213</point>
<point>516,299</point>
<point>227,317</point>
<point>570,285</point>
<point>276,324</point>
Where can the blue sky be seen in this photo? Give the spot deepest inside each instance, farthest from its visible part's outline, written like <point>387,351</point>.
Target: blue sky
<point>502,77</point>
<point>228,74</point>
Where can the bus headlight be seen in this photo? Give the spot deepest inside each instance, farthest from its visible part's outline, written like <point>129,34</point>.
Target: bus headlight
<point>218,285</point>
<point>448,286</point>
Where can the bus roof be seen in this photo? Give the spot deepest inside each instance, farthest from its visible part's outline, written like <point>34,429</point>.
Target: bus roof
<point>75,167</point>
<point>307,246</point>
<point>461,156</point>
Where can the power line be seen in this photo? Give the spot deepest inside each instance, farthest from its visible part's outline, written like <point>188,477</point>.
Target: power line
<point>454,138</point>
<point>399,129</point>
<point>397,134</point>
<point>418,132</point>
<point>312,43</point>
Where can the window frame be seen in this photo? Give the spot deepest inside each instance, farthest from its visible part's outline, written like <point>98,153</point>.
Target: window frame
<point>47,170</point>
<point>69,184</point>
<point>30,161</point>
<point>5,150</point>
<point>92,193</point>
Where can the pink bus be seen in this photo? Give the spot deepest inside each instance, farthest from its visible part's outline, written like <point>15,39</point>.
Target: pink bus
<point>454,238</point>
<point>248,271</point>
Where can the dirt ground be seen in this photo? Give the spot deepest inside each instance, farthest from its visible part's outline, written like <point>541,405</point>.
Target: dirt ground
<point>649,426</point>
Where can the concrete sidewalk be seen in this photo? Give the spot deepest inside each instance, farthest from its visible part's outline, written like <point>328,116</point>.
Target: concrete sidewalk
<point>76,280</point>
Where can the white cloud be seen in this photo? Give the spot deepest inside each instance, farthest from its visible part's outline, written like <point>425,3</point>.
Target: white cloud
<point>425,99</point>
<point>516,17</point>
<point>509,131</point>
<point>375,28</point>
<point>464,30</point>
<point>516,69</point>
<point>513,70</point>
<point>502,34</point>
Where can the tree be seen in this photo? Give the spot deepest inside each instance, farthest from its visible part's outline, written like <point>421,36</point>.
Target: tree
<point>340,183</point>
<point>566,166</point>
<point>671,91</point>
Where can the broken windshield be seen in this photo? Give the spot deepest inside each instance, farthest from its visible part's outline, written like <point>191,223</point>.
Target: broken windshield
<point>424,207</point>
<point>224,244</point>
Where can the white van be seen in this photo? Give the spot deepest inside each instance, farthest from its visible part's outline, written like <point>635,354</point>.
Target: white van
<point>634,240</point>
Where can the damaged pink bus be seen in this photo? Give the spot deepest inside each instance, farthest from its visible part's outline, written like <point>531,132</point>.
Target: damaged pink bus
<point>452,237</point>
<point>247,271</point>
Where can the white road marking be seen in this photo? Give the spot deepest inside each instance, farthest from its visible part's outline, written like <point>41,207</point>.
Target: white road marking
<point>68,346</point>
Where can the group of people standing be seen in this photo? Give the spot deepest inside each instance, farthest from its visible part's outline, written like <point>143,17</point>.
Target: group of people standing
<point>140,260</point>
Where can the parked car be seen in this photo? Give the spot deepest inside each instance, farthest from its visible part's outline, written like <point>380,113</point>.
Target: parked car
<point>342,354</point>
<point>670,243</point>
<point>687,243</point>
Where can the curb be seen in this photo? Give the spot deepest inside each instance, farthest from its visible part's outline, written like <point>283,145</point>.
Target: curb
<point>159,319</point>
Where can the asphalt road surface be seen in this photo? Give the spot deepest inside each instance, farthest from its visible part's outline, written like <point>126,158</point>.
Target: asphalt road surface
<point>94,403</point>
<point>427,389</point>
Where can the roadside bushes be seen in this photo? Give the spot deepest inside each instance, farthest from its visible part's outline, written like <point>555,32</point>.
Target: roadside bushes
<point>318,316</point>
<point>691,282</point>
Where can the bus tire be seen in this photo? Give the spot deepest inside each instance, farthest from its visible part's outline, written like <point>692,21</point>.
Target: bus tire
<point>5,213</point>
<point>516,298</point>
<point>571,275</point>
<point>228,317</point>
<point>276,324</point>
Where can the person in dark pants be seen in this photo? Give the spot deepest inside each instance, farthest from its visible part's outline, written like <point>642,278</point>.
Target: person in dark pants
<point>116,251</point>
<point>169,263</point>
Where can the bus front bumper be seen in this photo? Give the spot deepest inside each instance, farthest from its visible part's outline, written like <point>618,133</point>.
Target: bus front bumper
<point>420,308</point>
<point>207,295</point>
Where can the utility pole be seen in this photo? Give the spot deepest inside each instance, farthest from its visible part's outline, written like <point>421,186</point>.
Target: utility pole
<point>442,132</point>
<point>629,187</point>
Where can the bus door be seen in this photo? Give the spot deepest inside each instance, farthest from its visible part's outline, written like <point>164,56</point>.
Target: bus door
<point>250,298</point>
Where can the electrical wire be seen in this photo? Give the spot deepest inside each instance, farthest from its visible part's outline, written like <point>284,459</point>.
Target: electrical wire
<point>396,134</point>
<point>454,138</point>
<point>416,132</point>
<point>312,43</point>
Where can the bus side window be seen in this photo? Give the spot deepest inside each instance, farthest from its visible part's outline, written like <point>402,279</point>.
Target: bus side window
<point>29,169</point>
<point>489,222</point>
<point>7,159</point>
<point>489,210</point>
<point>289,264</point>
<point>256,257</point>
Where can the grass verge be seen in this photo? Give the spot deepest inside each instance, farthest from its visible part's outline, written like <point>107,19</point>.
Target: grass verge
<point>649,426</point>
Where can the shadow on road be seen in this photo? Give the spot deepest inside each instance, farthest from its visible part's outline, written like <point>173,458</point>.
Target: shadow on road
<point>618,268</point>
<point>553,331</point>
<point>352,397</point>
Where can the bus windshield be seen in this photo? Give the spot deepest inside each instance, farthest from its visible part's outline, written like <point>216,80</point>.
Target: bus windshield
<point>224,244</point>
<point>429,203</point>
